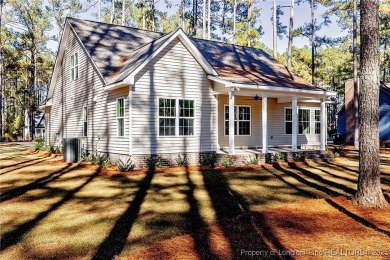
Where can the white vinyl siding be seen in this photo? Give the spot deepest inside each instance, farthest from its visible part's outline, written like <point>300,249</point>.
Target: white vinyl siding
<point>242,120</point>
<point>173,74</point>
<point>65,116</point>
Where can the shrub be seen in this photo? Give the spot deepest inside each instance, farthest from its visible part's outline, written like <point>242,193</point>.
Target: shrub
<point>331,154</point>
<point>49,148</point>
<point>154,162</point>
<point>210,159</point>
<point>100,159</point>
<point>127,166</point>
<point>57,149</point>
<point>279,157</point>
<point>39,144</point>
<point>182,161</point>
<point>252,161</point>
<point>227,161</point>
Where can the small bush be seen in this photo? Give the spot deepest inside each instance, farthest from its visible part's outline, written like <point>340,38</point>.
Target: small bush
<point>39,144</point>
<point>154,162</point>
<point>182,161</point>
<point>279,157</point>
<point>227,161</point>
<point>210,159</point>
<point>57,149</point>
<point>252,161</point>
<point>127,166</point>
<point>100,159</point>
<point>49,148</point>
<point>331,154</point>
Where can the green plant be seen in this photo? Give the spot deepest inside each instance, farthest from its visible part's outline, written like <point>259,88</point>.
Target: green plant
<point>279,157</point>
<point>252,161</point>
<point>210,159</point>
<point>7,137</point>
<point>39,144</point>
<point>227,161</point>
<point>182,161</point>
<point>57,149</point>
<point>49,148</point>
<point>331,154</point>
<point>127,166</point>
<point>154,162</point>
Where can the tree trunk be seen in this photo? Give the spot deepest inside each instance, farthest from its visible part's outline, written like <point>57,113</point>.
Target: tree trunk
<point>249,22</point>
<point>369,191</point>
<point>194,16</point>
<point>384,60</point>
<point>144,14</point>
<point>204,18</point>
<point>355,78</point>
<point>290,34</point>
<point>209,20</point>
<point>183,18</point>
<point>223,27</point>
<point>312,42</point>
<point>1,71</point>
<point>112,11</point>
<point>123,11</point>
<point>100,11</point>
<point>275,31</point>
<point>153,14</point>
<point>234,20</point>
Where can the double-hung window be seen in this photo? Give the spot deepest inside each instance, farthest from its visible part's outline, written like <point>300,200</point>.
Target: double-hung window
<point>317,120</point>
<point>242,120</point>
<point>74,66</point>
<point>120,116</point>
<point>304,121</point>
<point>85,121</point>
<point>176,117</point>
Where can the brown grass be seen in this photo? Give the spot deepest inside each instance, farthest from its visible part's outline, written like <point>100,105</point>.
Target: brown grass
<point>51,209</point>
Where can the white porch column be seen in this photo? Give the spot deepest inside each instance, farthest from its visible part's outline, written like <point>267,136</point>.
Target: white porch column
<point>131,86</point>
<point>323,126</point>
<point>294,147</point>
<point>264,103</point>
<point>231,122</point>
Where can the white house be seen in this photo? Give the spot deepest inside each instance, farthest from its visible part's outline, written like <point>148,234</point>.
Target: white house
<point>134,92</point>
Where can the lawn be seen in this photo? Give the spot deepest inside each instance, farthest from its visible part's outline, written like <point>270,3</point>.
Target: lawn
<point>54,210</point>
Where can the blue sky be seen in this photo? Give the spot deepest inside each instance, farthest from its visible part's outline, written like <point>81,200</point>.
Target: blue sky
<point>302,15</point>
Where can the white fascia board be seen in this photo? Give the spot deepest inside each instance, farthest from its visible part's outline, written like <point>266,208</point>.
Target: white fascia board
<point>116,85</point>
<point>229,84</point>
<point>190,47</point>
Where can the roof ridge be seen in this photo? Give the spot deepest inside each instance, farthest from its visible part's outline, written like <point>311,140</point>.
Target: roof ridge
<point>114,25</point>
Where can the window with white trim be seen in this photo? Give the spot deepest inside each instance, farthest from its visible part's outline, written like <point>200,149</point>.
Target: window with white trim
<point>120,116</point>
<point>186,117</point>
<point>317,121</point>
<point>242,120</point>
<point>167,116</point>
<point>85,121</point>
<point>304,121</point>
<point>288,121</point>
<point>74,66</point>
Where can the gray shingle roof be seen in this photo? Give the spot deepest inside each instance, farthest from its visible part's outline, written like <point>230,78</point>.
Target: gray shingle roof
<point>118,50</point>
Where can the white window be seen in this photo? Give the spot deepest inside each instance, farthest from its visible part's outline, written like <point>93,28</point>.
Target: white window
<point>120,116</point>
<point>317,120</point>
<point>85,121</point>
<point>174,113</point>
<point>304,121</point>
<point>74,66</point>
<point>242,120</point>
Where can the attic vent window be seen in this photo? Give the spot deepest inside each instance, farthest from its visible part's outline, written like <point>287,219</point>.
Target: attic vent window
<point>74,66</point>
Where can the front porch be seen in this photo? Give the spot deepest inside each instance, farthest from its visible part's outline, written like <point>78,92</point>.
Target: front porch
<point>270,119</point>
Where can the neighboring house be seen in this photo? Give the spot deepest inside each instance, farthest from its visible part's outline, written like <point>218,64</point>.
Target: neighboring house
<point>39,125</point>
<point>133,92</point>
<point>345,121</point>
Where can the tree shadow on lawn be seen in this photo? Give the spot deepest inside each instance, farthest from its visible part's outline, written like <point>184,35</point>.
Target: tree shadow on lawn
<point>24,164</point>
<point>114,243</point>
<point>37,184</point>
<point>357,218</point>
<point>14,236</point>
<point>235,220</point>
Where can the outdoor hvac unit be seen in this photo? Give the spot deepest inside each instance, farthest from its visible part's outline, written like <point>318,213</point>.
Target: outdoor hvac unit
<point>72,149</point>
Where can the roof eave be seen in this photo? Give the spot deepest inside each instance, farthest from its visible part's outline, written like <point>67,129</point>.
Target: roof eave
<point>230,84</point>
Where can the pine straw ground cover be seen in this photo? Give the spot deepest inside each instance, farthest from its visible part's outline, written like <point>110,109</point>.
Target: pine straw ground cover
<point>51,209</point>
